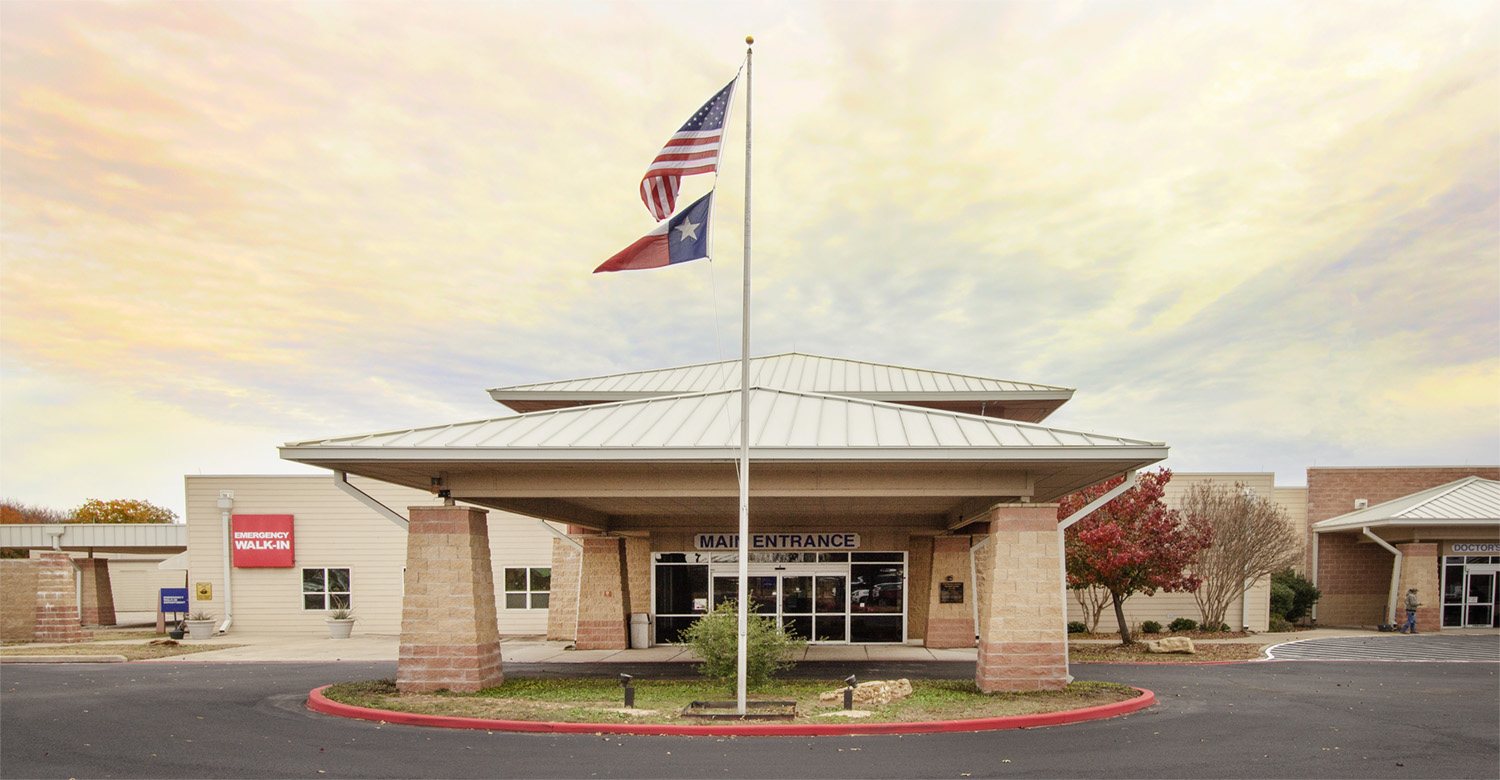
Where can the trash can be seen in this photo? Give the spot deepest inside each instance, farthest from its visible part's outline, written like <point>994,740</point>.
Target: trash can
<point>640,631</point>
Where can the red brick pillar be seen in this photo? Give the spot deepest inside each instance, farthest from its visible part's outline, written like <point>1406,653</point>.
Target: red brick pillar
<point>1419,569</point>
<point>1023,641</point>
<point>601,599</point>
<point>951,624</point>
<point>449,633</point>
<point>98,607</point>
<point>57,600</point>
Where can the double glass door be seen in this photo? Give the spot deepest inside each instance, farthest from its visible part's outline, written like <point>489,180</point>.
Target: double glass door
<point>1471,592</point>
<point>813,606</point>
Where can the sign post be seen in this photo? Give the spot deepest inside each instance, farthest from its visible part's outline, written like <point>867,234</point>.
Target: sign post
<point>174,600</point>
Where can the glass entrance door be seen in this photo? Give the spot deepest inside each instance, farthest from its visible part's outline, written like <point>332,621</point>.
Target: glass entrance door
<point>1479,604</point>
<point>814,607</point>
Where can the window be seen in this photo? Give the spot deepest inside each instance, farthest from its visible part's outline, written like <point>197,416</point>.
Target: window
<point>325,589</point>
<point>528,588</point>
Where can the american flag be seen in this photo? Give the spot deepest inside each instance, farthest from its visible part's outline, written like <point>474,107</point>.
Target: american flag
<point>691,150</point>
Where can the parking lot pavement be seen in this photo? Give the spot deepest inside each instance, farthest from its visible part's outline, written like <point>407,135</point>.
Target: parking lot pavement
<point>1472,648</point>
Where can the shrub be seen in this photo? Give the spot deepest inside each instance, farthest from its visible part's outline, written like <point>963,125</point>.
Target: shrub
<point>1151,627</point>
<point>1077,627</point>
<point>1279,623</point>
<point>1212,627</point>
<point>1305,594</point>
<point>1282,599</point>
<point>715,638</point>
<point>1182,624</point>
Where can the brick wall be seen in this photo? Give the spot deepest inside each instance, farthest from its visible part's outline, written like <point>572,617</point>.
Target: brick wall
<point>601,608</point>
<point>98,607</point>
<point>562,610</point>
<point>1354,574</point>
<point>950,625</point>
<point>919,585</point>
<point>17,600</point>
<point>57,600</point>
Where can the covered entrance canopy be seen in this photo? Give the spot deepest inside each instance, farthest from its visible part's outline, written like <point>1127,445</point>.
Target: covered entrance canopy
<point>920,465</point>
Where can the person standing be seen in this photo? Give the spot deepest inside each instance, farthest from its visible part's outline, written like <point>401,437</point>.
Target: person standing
<point>1411,612</point>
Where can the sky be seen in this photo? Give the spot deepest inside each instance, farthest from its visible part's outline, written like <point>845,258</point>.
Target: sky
<point>1267,234</point>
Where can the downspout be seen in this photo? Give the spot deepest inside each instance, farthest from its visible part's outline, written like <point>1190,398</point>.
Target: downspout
<point>578,595</point>
<point>974,583</point>
<point>1062,552</point>
<point>1390,602</point>
<point>1245,606</point>
<point>1314,614</point>
<point>226,503</point>
<point>57,536</point>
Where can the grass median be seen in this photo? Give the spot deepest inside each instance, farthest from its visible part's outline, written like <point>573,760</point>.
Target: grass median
<point>663,701</point>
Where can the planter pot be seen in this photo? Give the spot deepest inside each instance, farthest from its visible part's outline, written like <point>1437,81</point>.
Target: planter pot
<point>339,629</point>
<point>200,629</point>
<point>176,633</point>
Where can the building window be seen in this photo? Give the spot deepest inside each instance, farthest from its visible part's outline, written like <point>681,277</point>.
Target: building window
<point>325,589</point>
<point>527,588</point>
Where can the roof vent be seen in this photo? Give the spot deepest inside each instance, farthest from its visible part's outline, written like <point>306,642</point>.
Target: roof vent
<point>1361,503</point>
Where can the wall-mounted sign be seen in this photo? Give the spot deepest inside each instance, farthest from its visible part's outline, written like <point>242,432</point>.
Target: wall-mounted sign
<point>950,593</point>
<point>1476,547</point>
<point>203,591</point>
<point>174,599</point>
<point>262,541</point>
<point>819,541</point>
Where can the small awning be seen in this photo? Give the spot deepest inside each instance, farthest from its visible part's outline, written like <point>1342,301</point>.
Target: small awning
<point>178,562</point>
<point>1471,501</point>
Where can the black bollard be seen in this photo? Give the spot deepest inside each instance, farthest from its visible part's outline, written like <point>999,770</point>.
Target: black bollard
<point>629,691</point>
<point>849,692</point>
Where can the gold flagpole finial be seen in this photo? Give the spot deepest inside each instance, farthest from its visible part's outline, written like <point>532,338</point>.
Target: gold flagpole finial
<point>749,40</point>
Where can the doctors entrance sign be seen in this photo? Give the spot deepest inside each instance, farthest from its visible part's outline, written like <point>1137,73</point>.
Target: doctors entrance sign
<point>262,541</point>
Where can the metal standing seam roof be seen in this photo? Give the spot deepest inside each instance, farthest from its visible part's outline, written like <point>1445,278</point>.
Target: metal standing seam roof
<point>104,537</point>
<point>1468,501</point>
<point>784,424</point>
<point>790,371</point>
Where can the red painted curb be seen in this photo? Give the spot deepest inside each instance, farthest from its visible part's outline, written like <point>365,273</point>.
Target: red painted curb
<point>317,702</point>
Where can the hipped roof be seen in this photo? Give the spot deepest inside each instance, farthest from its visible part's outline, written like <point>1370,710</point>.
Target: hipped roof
<point>1468,501</point>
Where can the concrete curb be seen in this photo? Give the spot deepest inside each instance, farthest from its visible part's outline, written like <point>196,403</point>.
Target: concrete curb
<point>317,702</point>
<point>62,659</point>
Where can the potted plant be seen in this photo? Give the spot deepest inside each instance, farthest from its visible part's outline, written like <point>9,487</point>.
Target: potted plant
<point>340,624</point>
<point>177,631</point>
<point>200,625</point>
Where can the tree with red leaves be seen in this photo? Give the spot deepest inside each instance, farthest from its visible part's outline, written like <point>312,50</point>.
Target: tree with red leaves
<point>1133,544</point>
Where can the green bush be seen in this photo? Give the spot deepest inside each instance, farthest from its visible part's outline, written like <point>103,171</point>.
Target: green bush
<point>1182,624</point>
<point>1282,599</point>
<point>1212,627</point>
<point>1077,627</point>
<point>1305,594</point>
<point>1150,627</point>
<point>715,638</point>
<point>1278,623</point>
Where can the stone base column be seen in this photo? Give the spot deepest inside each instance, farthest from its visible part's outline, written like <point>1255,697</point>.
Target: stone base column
<point>1419,569</point>
<point>449,632</point>
<point>98,607</point>
<point>562,609</point>
<point>950,625</point>
<point>1023,644</point>
<point>601,601</point>
<point>57,600</point>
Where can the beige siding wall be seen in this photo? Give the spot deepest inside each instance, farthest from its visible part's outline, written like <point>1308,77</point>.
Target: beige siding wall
<point>1164,607</point>
<point>334,530</point>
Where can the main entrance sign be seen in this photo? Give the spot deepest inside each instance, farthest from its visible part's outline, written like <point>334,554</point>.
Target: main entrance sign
<point>790,541</point>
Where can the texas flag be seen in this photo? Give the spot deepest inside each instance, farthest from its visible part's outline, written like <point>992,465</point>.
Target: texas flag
<point>682,238</point>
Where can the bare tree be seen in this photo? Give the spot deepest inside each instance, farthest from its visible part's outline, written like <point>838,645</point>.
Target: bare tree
<point>1092,599</point>
<point>1252,538</point>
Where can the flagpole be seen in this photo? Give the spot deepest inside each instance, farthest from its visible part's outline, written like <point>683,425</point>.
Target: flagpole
<point>744,469</point>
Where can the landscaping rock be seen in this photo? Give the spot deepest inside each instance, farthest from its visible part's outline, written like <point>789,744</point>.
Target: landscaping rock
<point>872,693</point>
<point>1172,644</point>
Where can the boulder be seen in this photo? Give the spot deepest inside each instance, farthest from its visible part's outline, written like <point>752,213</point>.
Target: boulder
<point>873,693</point>
<point>1172,644</point>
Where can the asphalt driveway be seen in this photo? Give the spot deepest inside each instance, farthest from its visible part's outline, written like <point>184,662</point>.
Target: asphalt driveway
<point>1276,719</point>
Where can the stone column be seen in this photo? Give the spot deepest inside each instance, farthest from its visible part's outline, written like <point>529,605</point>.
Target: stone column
<point>562,605</point>
<point>601,601</point>
<point>1419,569</point>
<point>98,607</point>
<point>57,600</point>
<point>1023,643</point>
<point>449,632</point>
<point>950,625</point>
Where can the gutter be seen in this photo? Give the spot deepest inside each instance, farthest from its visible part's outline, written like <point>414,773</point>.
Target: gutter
<point>1390,606</point>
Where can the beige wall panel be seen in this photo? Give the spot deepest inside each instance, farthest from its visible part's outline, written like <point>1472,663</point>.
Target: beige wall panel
<point>334,530</point>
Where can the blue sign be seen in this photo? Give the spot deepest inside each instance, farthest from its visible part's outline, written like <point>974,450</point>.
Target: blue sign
<point>174,599</point>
